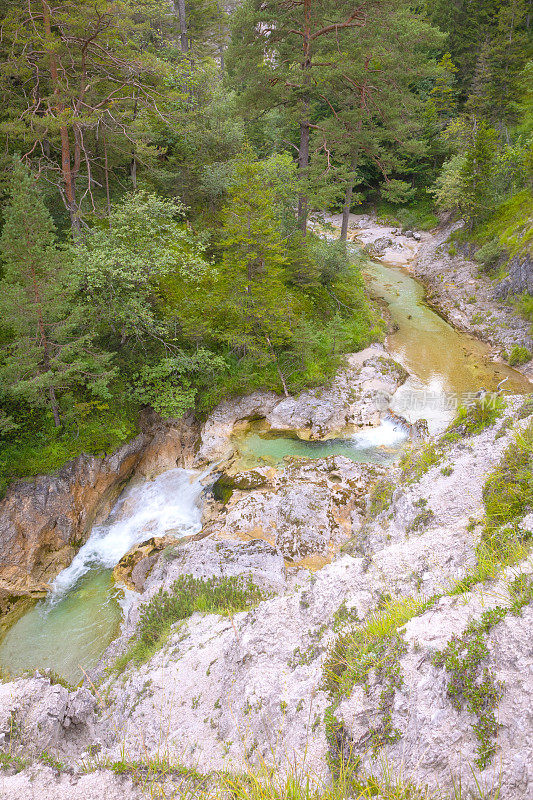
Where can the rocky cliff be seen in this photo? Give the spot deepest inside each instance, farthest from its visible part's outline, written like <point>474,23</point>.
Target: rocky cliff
<point>43,521</point>
<point>404,656</point>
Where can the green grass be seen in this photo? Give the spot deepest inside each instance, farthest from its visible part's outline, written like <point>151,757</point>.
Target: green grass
<point>187,595</point>
<point>377,647</point>
<point>509,229</point>
<point>361,649</point>
<point>526,409</point>
<point>418,215</point>
<point>380,496</point>
<point>475,418</point>
<point>416,461</point>
<point>524,303</point>
<point>508,496</point>
<point>508,491</point>
<point>273,784</point>
<point>12,762</point>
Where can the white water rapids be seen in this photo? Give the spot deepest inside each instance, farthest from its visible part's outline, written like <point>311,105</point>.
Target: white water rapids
<point>168,504</point>
<point>387,434</point>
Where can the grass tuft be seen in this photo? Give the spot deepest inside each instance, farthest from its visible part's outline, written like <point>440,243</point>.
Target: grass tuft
<point>187,595</point>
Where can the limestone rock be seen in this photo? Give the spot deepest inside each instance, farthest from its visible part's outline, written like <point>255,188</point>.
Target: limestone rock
<point>173,444</point>
<point>359,395</point>
<point>308,508</point>
<point>37,716</point>
<point>44,520</point>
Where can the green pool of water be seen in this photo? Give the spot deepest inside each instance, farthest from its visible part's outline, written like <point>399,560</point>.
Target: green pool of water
<point>67,637</point>
<point>254,448</point>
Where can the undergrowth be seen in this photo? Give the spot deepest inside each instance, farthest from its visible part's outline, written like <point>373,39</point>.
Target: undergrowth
<point>380,496</point>
<point>186,596</point>
<point>415,462</point>
<point>507,496</point>
<point>475,418</point>
<point>508,491</point>
<point>418,215</point>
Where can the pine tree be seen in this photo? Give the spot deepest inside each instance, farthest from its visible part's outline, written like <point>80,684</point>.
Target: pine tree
<point>258,309</point>
<point>49,349</point>
<point>477,173</point>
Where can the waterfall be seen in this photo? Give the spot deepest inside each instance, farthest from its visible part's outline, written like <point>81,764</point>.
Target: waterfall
<point>168,504</point>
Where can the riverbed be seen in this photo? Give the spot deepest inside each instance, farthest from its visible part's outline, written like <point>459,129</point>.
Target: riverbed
<point>68,632</point>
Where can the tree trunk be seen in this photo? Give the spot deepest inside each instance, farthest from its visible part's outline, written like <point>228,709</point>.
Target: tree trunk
<point>347,201</point>
<point>303,167</point>
<point>133,173</point>
<point>179,5</point>
<point>278,368</point>
<point>106,173</point>
<point>303,152</point>
<point>69,187</point>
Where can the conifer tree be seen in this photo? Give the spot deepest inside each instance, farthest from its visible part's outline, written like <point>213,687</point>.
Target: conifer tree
<point>49,349</point>
<point>258,308</point>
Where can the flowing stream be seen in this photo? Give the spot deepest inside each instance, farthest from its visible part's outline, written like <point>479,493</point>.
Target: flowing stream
<point>446,367</point>
<point>69,631</point>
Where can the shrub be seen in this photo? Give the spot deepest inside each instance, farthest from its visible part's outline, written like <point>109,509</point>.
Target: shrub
<point>473,419</point>
<point>519,355</point>
<point>508,491</point>
<point>488,255</point>
<point>415,462</point>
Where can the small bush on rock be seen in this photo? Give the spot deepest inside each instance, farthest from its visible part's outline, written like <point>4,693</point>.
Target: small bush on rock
<point>489,254</point>
<point>472,685</point>
<point>508,491</point>
<point>519,355</point>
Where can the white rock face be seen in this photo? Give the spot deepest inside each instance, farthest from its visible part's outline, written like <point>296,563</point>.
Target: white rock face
<point>37,716</point>
<point>44,783</point>
<point>229,692</point>
<point>310,507</point>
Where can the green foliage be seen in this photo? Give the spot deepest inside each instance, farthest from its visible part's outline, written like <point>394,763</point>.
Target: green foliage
<point>489,254</point>
<point>482,413</point>
<point>168,385</point>
<point>121,264</point>
<point>472,685</point>
<point>186,596</point>
<point>11,762</point>
<point>508,491</point>
<point>44,448</point>
<point>380,497</point>
<point>519,355</point>
<point>418,215</point>
<point>397,192</point>
<point>416,461</point>
<point>50,348</point>
<point>377,647</point>
<point>355,652</point>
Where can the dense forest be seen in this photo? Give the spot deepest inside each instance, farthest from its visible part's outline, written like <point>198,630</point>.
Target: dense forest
<point>160,167</point>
